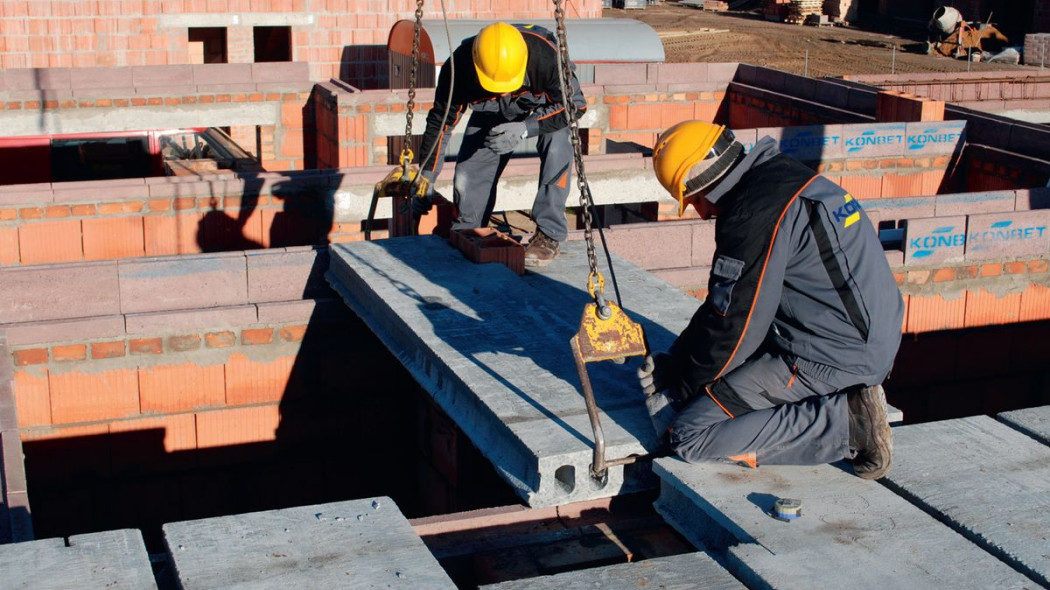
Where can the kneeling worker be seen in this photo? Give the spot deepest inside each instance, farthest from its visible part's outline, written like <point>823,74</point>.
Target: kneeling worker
<point>508,76</point>
<point>782,363</point>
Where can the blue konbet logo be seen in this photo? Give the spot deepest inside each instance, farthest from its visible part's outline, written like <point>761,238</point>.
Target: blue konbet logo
<point>932,136</point>
<point>1001,232</point>
<point>871,139</point>
<point>942,237</point>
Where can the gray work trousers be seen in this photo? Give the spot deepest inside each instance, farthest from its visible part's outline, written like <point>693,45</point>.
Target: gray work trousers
<point>478,170</point>
<point>796,419</point>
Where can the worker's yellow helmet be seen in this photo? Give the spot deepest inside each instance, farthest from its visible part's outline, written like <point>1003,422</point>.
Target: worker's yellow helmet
<point>691,155</point>
<point>500,56</point>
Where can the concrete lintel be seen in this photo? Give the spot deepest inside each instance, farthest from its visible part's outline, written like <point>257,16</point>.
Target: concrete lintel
<point>113,559</point>
<point>845,520</point>
<point>1035,422</point>
<point>90,120</point>
<point>492,349</point>
<point>983,479</point>
<point>393,124</point>
<point>354,544</point>
<point>236,19</point>
<point>688,570</point>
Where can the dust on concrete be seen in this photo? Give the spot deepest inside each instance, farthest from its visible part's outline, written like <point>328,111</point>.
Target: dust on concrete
<point>692,35</point>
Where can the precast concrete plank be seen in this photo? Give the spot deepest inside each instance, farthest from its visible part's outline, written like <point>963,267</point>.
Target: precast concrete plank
<point>687,571</point>
<point>984,479</point>
<point>1035,422</point>
<point>492,348</point>
<point>361,544</point>
<point>113,560</point>
<point>853,533</point>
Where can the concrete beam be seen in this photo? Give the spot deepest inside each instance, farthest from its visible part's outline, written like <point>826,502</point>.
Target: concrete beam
<point>853,533</point>
<point>678,572</point>
<point>492,349</point>
<point>354,544</point>
<point>983,479</point>
<point>89,120</point>
<point>1035,422</point>
<point>113,559</point>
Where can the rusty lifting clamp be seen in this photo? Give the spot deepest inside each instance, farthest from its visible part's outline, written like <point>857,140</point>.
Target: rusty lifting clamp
<point>402,184</point>
<point>606,333</point>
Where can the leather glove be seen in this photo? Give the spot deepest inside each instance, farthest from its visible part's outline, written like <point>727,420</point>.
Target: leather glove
<point>658,373</point>
<point>421,205</point>
<point>503,138</point>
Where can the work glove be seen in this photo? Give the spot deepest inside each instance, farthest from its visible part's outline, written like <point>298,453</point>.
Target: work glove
<point>421,205</point>
<point>503,138</point>
<point>658,373</point>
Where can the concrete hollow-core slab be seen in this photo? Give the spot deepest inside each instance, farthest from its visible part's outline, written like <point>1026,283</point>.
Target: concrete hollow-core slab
<point>111,559</point>
<point>492,348</point>
<point>853,533</point>
<point>355,544</point>
<point>1035,422</point>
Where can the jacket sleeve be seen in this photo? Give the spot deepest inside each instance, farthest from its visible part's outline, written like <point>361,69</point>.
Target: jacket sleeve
<point>439,130</point>
<point>744,292</point>
<point>551,116</point>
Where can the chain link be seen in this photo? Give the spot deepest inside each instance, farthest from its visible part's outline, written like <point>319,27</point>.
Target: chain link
<point>571,115</point>
<point>411,104</point>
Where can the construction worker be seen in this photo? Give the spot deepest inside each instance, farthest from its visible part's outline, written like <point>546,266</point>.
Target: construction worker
<point>508,76</point>
<point>783,361</point>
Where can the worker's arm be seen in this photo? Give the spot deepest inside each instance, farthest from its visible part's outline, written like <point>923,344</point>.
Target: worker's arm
<point>551,116</point>
<point>744,290</point>
<point>439,128</point>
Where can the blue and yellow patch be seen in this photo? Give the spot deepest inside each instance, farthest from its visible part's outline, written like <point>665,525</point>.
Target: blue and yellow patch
<point>849,213</point>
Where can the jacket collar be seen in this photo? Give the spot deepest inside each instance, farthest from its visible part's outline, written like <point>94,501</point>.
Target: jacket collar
<point>765,149</point>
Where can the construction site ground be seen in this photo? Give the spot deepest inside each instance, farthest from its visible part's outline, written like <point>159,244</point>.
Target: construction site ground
<point>694,35</point>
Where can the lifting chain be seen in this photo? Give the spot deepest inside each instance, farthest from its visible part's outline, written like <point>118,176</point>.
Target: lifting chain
<point>595,282</point>
<point>406,151</point>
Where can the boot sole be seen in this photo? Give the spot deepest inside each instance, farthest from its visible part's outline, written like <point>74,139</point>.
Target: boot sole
<point>874,404</point>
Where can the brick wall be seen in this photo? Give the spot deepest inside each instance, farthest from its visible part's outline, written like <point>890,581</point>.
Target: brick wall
<point>337,37</point>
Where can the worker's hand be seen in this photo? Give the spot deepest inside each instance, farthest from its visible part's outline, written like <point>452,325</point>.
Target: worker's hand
<point>657,373</point>
<point>503,138</point>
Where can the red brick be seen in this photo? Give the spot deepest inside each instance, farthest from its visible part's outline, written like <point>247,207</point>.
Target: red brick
<point>1038,266</point>
<point>257,336</point>
<point>160,205</point>
<point>31,356</point>
<point>180,431</point>
<point>172,234</point>
<point>224,339</point>
<point>1035,304</point>
<point>237,426</point>
<point>943,274</point>
<point>986,309</point>
<point>71,352</point>
<point>183,343</point>
<point>32,399</point>
<point>54,211</point>
<point>107,350</point>
<point>1016,268</point>
<point>934,312</point>
<point>50,241</point>
<point>31,213</point>
<point>8,245</point>
<point>114,237</point>
<point>250,382</point>
<point>991,270</point>
<point>84,397</point>
<point>181,388</point>
<point>120,207</point>
<point>83,210</point>
<point>293,333</point>
<point>146,346</point>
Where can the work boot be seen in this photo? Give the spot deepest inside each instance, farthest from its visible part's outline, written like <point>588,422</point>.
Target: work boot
<point>541,250</point>
<point>870,436</point>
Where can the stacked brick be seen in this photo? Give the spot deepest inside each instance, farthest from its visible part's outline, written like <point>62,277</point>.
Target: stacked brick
<point>1036,49</point>
<point>791,11</point>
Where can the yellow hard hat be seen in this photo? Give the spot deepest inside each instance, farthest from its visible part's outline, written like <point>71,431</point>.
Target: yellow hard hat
<point>500,56</point>
<point>682,147</point>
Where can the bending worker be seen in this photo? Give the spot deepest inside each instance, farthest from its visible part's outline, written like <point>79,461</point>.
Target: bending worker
<point>508,76</point>
<point>784,360</point>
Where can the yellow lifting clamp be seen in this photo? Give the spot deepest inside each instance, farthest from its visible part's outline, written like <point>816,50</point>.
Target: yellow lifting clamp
<point>606,333</point>
<point>403,184</point>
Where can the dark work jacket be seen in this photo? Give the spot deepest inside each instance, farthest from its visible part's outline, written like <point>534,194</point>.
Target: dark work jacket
<point>798,270</point>
<point>538,102</point>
